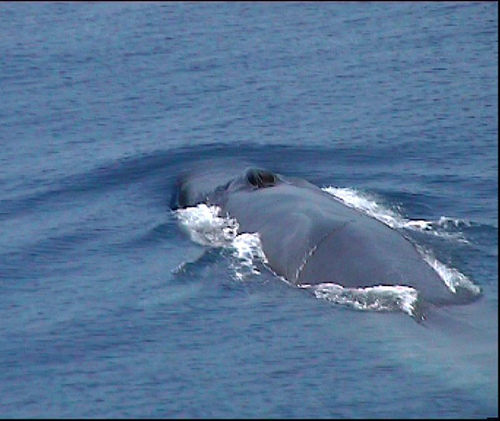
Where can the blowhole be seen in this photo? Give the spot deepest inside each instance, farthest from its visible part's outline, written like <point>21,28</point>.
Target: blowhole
<point>261,178</point>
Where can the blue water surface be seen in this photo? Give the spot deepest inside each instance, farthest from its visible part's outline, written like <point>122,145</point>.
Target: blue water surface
<point>103,105</point>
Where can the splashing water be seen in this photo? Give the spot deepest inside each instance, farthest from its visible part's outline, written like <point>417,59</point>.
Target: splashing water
<point>377,298</point>
<point>456,281</point>
<point>205,226</point>
<point>367,204</point>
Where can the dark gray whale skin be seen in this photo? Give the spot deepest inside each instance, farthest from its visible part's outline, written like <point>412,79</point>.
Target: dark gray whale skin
<point>308,236</point>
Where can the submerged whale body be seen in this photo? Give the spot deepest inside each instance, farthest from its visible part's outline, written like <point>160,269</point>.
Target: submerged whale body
<point>308,236</point>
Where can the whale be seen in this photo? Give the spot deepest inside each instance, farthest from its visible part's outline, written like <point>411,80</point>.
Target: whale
<point>308,236</point>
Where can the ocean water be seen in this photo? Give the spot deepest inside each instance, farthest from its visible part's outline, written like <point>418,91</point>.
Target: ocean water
<point>110,306</point>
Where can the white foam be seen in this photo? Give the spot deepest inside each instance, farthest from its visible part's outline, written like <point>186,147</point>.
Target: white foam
<point>368,204</point>
<point>453,279</point>
<point>377,298</point>
<point>247,250</point>
<point>206,227</point>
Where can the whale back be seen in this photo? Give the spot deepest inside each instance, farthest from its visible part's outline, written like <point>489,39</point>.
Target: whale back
<point>309,237</point>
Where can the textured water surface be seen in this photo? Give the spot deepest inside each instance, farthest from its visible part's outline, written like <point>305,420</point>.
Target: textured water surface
<point>108,307</point>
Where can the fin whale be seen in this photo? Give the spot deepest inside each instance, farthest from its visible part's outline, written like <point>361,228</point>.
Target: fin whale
<point>308,236</point>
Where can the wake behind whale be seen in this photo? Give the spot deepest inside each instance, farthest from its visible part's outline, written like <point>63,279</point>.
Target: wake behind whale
<point>315,241</point>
